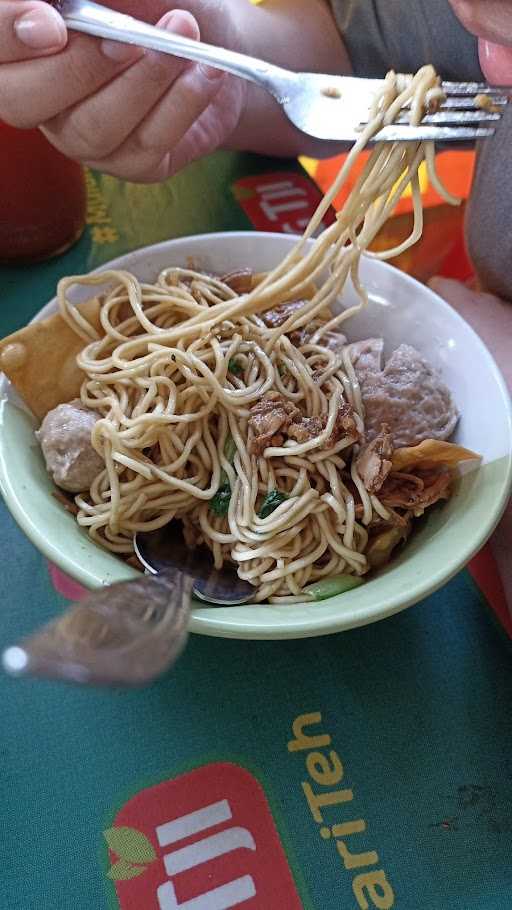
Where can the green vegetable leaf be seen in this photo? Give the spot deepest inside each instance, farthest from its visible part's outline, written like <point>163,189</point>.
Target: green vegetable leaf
<point>229,448</point>
<point>220,502</point>
<point>329,587</point>
<point>130,844</point>
<point>235,367</point>
<point>272,501</point>
<point>122,871</point>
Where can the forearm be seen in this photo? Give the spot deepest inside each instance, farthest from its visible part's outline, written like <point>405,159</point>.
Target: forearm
<point>300,35</point>
<point>297,34</point>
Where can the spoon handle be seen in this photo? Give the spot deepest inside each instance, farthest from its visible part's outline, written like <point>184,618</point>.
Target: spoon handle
<point>123,635</point>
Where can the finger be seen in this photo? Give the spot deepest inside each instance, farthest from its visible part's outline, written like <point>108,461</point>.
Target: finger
<point>148,153</point>
<point>181,106</point>
<point>145,168</point>
<point>215,125</point>
<point>36,91</point>
<point>146,156</point>
<point>29,30</point>
<point>100,124</point>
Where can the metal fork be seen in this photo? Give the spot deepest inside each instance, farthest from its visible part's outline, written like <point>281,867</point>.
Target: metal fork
<point>323,106</point>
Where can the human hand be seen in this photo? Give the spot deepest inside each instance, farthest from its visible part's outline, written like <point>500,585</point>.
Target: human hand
<point>137,114</point>
<point>143,116</point>
<point>491,318</point>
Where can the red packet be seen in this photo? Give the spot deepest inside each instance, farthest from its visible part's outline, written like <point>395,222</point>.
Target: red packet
<point>485,574</point>
<point>283,202</point>
<point>64,585</point>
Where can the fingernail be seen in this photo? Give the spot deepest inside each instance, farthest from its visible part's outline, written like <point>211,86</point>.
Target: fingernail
<point>211,72</point>
<point>167,20</point>
<point>40,29</point>
<point>120,53</point>
<point>180,22</point>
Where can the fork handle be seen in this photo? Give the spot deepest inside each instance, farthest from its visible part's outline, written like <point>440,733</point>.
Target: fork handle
<point>93,19</point>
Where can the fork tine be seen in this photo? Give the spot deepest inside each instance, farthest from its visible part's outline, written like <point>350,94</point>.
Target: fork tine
<point>455,117</point>
<point>461,102</point>
<point>472,88</point>
<point>401,133</point>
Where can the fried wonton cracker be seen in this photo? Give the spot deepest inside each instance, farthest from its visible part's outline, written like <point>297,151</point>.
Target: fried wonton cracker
<point>40,360</point>
<point>429,453</point>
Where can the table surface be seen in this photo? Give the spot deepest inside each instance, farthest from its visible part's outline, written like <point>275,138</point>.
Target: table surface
<point>224,782</point>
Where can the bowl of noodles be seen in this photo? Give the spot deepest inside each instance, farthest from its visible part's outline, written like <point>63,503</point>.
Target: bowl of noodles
<point>318,420</point>
<point>325,447</point>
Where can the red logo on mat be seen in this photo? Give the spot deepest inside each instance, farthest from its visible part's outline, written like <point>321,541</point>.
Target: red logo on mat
<point>204,841</point>
<point>281,202</point>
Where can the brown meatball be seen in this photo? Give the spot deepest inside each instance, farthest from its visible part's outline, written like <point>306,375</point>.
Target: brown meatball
<point>408,395</point>
<point>65,439</point>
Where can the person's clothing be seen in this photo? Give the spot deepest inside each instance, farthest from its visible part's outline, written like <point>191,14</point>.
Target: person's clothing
<point>405,34</point>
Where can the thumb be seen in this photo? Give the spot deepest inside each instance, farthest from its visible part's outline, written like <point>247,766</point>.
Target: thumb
<point>29,30</point>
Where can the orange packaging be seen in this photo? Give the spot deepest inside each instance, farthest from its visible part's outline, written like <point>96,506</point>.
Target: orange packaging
<point>441,250</point>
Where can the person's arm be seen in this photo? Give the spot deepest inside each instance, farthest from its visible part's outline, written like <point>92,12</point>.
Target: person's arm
<point>300,35</point>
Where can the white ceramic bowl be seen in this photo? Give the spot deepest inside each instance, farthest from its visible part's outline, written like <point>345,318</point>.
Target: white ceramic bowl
<point>401,310</point>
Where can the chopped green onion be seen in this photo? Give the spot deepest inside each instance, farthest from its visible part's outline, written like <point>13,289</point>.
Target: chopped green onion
<point>329,587</point>
<point>272,501</point>
<point>219,504</point>
<point>229,448</point>
<point>235,367</point>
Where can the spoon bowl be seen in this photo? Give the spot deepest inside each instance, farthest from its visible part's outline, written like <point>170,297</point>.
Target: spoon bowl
<point>166,549</point>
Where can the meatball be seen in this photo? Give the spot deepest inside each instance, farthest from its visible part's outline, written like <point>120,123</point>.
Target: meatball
<point>65,439</point>
<point>366,357</point>
<point>408,395</point>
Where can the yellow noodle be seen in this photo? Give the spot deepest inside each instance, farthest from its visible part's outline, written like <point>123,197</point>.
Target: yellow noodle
<point>160,380</point>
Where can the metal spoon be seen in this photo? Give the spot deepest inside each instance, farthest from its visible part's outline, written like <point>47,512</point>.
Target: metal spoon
<point>130,633</point>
